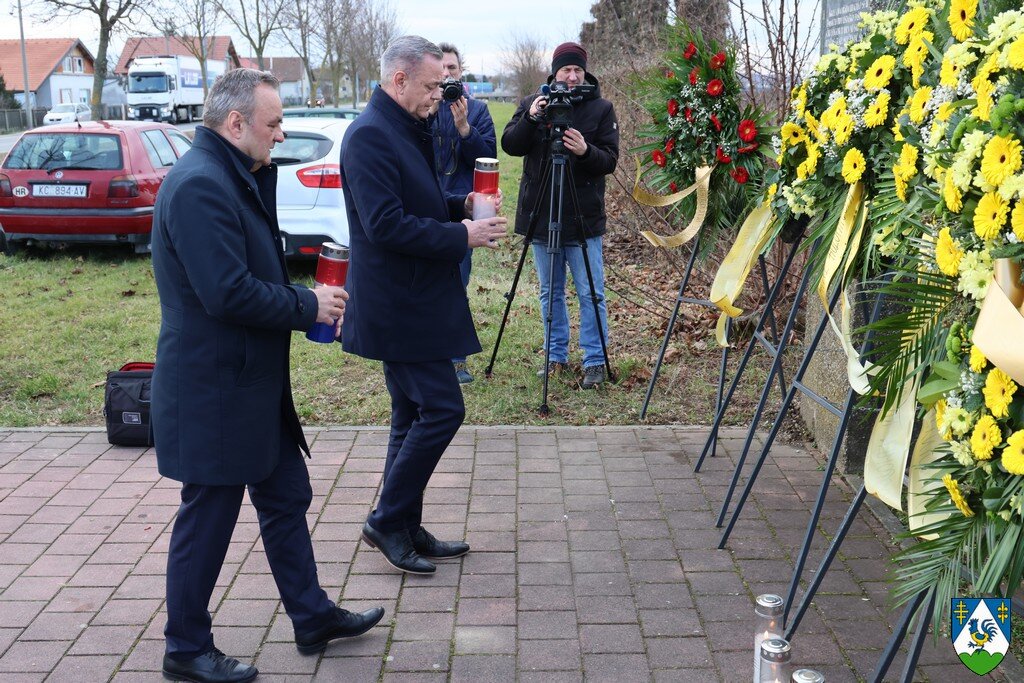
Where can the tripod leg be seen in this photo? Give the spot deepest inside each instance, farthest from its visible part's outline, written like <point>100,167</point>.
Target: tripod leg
<point>555,256</point>
<point>511,294</point>
<point>671,327</point>
<point>600,320</point>
<point>509,297</point>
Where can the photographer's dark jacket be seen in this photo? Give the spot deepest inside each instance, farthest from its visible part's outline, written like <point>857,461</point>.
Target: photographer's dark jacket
<point>221,391</point>
<point>408,304</point>
<point>594,117</point>
<point>455,155</point>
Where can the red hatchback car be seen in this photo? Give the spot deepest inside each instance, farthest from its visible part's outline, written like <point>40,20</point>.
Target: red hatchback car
<point>93,182</point>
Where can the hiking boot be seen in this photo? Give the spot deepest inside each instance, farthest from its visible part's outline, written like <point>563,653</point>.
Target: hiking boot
<point>593,375</point>
<point>554,368</point>
<point>462,374</point>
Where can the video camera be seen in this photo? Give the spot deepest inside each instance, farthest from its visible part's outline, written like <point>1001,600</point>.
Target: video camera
<point>451,89</point>
<point>557,115</point>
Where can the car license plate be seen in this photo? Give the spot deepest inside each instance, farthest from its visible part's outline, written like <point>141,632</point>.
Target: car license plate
<point>43,190</point>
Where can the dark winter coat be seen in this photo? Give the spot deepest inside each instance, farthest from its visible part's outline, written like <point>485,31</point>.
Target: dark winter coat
<point>455,156</point>
<point>408,304</point>
<point>221,391</point>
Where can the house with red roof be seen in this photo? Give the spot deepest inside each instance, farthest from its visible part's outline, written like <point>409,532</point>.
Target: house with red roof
<point>290,72</point>
<point>60,70</point>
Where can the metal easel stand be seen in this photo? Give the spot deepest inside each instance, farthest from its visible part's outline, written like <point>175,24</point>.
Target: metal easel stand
<point>681,298</point>
<point>766,390</point>
<point>758,338</point>
<point>843,414</point>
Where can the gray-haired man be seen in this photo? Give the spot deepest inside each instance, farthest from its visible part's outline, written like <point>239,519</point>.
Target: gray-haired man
<point>223,416</point>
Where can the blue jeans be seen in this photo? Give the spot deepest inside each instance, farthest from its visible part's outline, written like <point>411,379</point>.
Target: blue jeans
<point>590,341</point>
<point>465,268</point>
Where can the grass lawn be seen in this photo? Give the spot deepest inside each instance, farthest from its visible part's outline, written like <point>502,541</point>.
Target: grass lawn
<point>67,317</point>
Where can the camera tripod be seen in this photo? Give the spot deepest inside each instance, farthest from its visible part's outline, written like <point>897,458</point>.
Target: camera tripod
<point>556,171</point>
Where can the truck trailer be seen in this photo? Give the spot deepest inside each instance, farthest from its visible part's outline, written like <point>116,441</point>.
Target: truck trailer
<point>168,88</point>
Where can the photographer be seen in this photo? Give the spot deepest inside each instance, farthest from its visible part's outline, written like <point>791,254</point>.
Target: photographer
<point>592,144</point>
<point>463,131</point>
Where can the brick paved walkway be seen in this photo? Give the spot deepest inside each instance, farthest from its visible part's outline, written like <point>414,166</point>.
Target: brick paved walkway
<point>593,559</point>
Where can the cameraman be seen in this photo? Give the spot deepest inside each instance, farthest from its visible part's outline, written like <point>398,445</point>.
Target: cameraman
<point>592,144</point>
<point>462,130</point>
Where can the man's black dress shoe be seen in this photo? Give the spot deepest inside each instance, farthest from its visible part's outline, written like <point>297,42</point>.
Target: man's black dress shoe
<point>398,550</point>
<point>212,667</point>
<point>343,624</point>
<point>432,549</point>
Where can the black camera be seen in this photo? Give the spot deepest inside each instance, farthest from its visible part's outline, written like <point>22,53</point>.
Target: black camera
<point>451,89</point>
<point>558,112</point>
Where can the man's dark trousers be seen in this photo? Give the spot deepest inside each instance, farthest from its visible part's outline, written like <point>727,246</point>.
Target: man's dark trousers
<point>426,412</point>
<point>202,532</point>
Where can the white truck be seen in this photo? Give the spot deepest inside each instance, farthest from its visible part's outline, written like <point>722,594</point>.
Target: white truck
<point>168,88</point>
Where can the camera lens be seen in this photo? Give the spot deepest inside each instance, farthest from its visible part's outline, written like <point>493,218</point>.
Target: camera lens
<point>451,89</point>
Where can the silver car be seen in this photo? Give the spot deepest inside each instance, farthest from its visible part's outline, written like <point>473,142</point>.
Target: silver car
<point>310,205</point>
<point>68,113</point>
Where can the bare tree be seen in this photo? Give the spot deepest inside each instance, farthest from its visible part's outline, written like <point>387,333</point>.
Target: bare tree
<point>353,35</point>
<point>255,20</point>
<point>301,22</point>
<point>194,24</point>
<point>111,14</point>
<point>775,43</point>
<point>525,62</point>
<point>376,27</point>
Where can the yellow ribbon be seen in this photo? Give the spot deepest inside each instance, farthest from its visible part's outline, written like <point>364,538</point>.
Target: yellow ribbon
<point>842,253</point>
<point>1000,325</point>
<point>703,182</point>
<point>889,448</point>
<point>924,482</point>
<point>840,240</point>
<point>732,274</point>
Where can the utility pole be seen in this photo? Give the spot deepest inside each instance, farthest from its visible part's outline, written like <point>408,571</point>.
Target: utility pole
<point>24,72</point>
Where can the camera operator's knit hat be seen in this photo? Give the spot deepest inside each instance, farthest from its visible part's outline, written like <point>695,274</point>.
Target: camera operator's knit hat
<point>566,54</point>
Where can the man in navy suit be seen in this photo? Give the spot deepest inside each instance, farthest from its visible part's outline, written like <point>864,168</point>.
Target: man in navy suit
<point>409,308</point>
<point>223,416</point>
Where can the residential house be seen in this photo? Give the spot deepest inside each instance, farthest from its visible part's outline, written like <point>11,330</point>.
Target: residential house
<point>60,70</point>
<point>221,49</point>
<point>292,74</point>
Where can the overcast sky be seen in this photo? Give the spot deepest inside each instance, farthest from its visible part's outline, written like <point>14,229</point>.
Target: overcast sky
<point>479,31</point>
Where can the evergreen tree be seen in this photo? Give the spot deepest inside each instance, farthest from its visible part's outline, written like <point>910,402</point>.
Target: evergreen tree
<point>7,98</point>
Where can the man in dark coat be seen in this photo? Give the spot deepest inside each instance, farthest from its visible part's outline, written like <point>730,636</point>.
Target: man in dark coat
<point>409,308</point>
<point>463,132</point>
<point>592,143</point>
<point>223,416</point>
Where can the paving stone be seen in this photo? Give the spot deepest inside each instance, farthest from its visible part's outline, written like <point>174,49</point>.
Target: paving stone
<point>477,668</point>
<point>471,640</point>
<point>430,655</point>
<point>594,557</point>
<point>549,655</point>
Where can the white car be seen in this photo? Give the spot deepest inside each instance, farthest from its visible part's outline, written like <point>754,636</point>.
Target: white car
<point>310,205</point>
<point>68,113</point>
